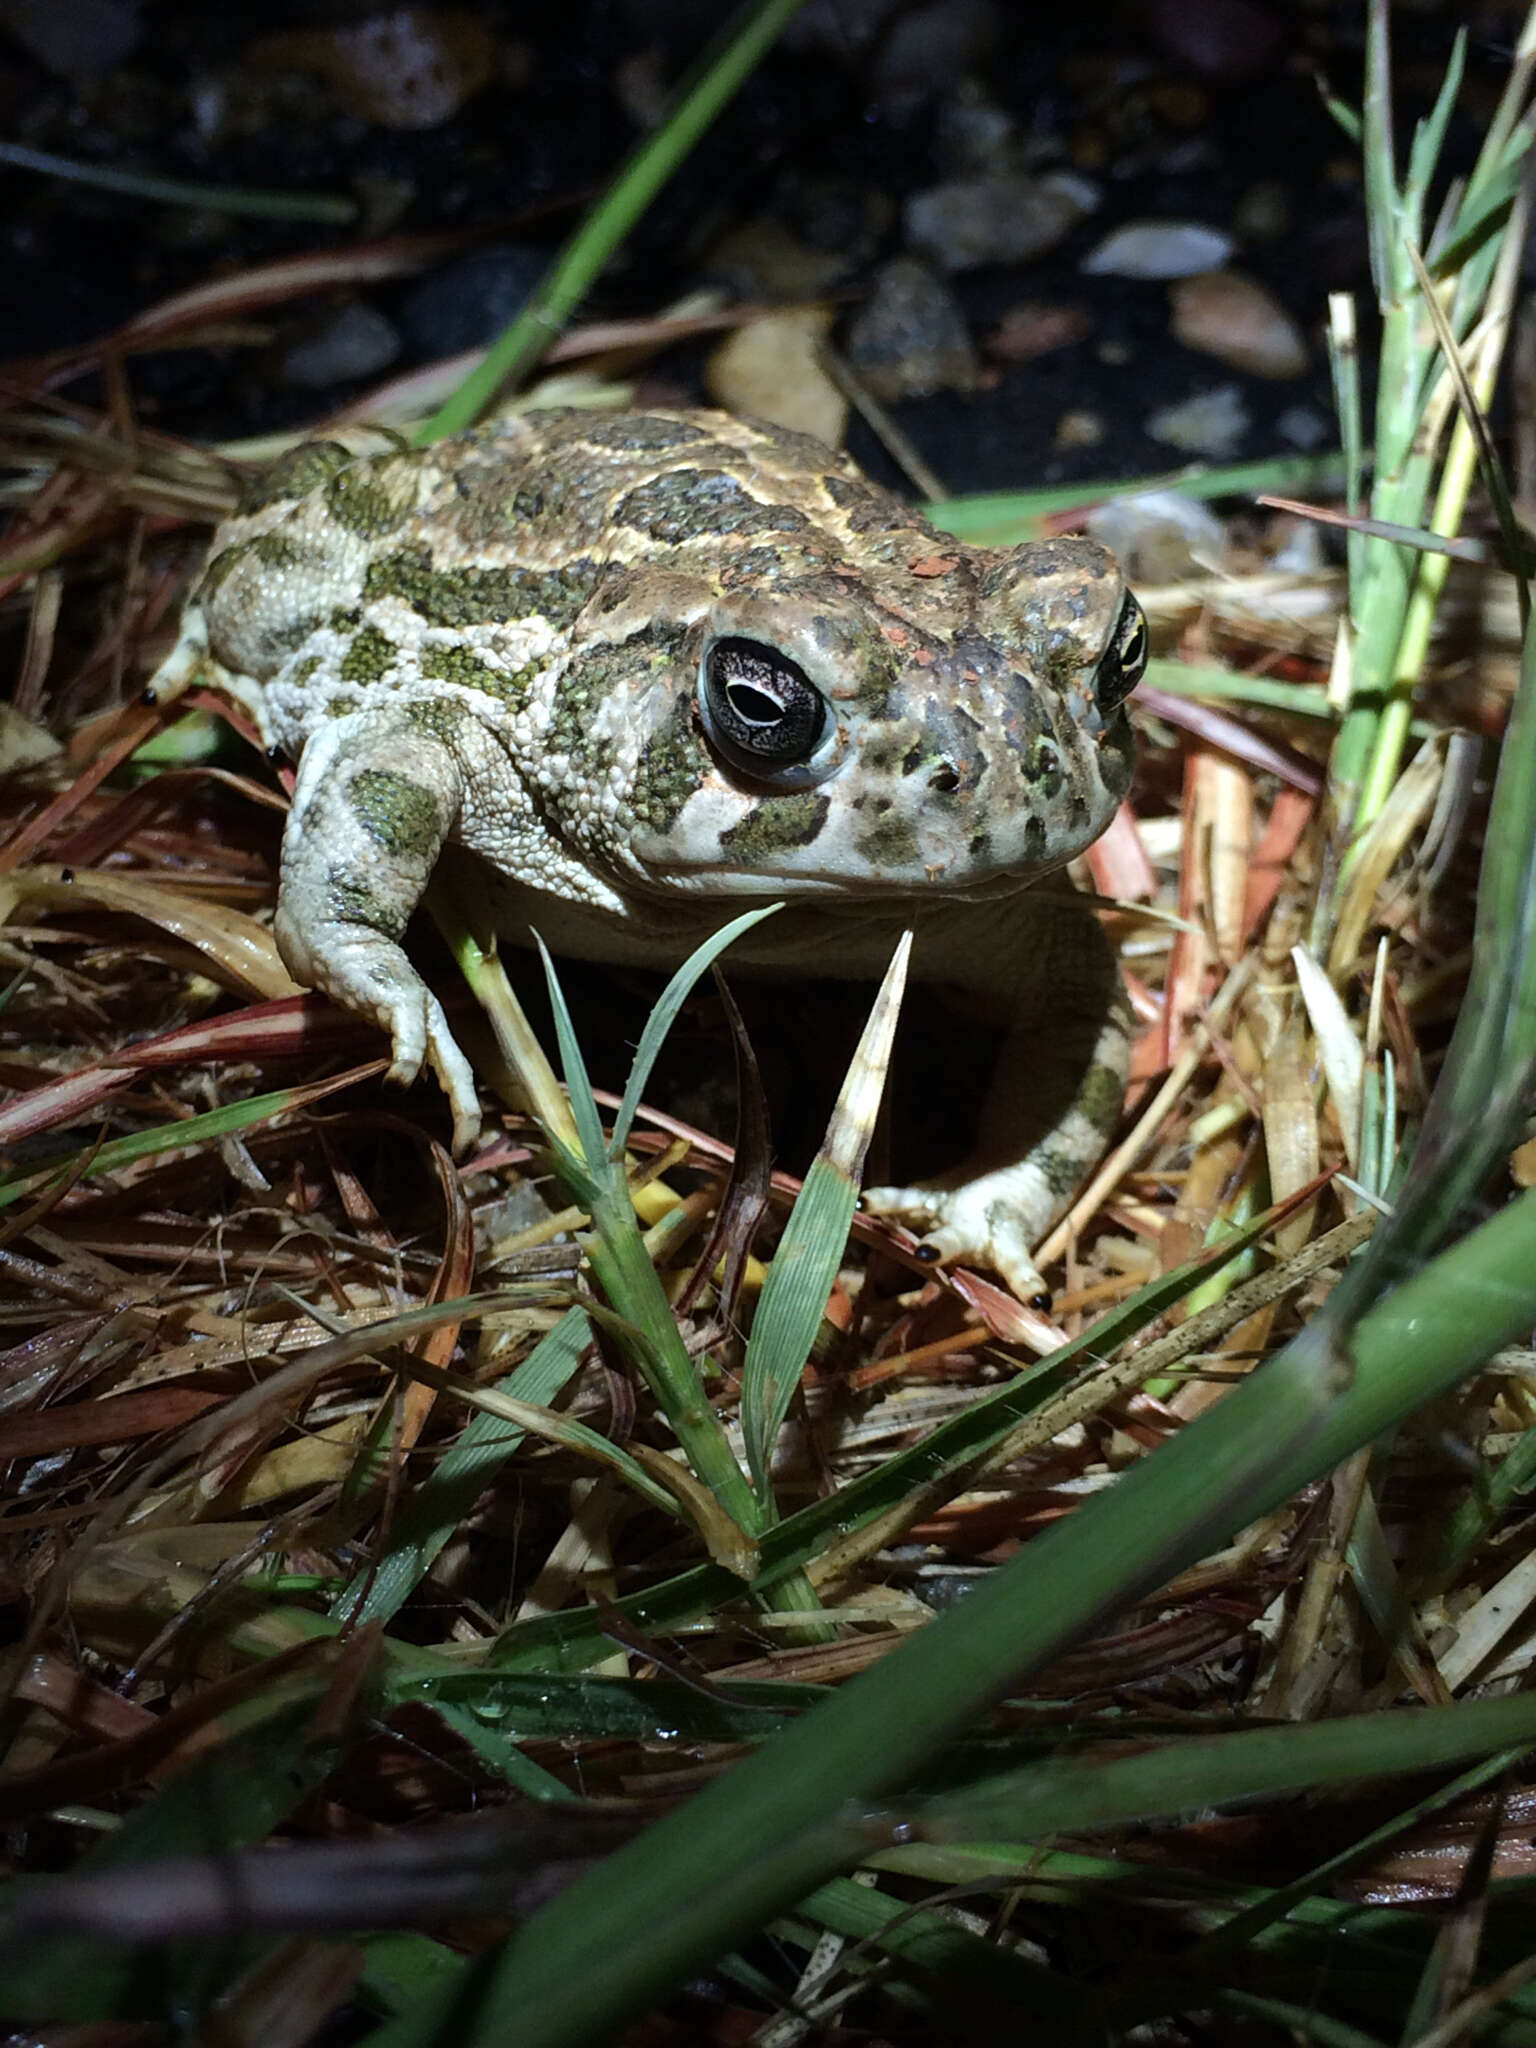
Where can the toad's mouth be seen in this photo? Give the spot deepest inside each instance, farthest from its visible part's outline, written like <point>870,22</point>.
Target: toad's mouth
<point>673,879</point>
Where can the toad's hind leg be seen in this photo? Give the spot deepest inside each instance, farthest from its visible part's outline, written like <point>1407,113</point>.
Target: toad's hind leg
<point>378,792</point>
<point>1055,1094</point>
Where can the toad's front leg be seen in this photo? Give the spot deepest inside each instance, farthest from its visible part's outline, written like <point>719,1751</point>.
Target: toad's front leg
<point>1056,1091</point>
<point>378,792</point>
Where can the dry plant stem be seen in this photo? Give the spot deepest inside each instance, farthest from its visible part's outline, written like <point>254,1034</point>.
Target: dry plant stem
<point>1286,1693</point>
<point>1413,392</point>
<point>1090,1395</point>
<point>1132,1148</point>
<point>480,963</point>
<point>1450,506</point>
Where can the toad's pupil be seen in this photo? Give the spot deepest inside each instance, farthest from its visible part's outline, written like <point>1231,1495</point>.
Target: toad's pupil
<point>753,706</point>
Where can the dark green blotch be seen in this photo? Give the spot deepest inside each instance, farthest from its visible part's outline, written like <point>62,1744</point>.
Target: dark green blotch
<point>1060,1171</point>
<point>370,657</point>
<point>398,813</point>
<point>357,499</point>
<point>668,773</point>
<point>352,902</point>
<point>448,664</point>
<point>889,843</point>
<point>481,597</point>
<point>642,430</point>
<point>272,550</point>
<point>440,716</point>
<point>296,474</point>
<point>777,824</point>
<point>341,707</point>
<point>1100,1097</point>
<point>685,504</point>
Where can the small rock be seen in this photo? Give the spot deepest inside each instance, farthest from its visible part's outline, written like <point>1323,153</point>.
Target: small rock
<point>927,49</point>
<point>1160,536</point>
<point>1212,423</point>
<point>771,369</point>
<point>972,132</point>
<point>1079,430</point>
<point>1226,314</point>
<point>1159,249</point>
<point>910,339</point>
<point>469,301</point>
<point>354,342</point>
<point>404,67</point>
<point>1004,217</point>
<point>762,259</point>
<point>1033,329</point>
<point>1303,427</point>
<point>906,52</point>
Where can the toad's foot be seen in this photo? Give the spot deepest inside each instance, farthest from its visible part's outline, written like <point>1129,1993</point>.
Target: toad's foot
<point>369,975</point>
<point>991,1222</point>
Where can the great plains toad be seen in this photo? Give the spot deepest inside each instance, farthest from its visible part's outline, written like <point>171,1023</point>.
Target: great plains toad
<point>656,667</point>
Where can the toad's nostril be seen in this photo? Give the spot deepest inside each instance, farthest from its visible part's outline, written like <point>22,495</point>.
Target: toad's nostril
<point>945,779</point>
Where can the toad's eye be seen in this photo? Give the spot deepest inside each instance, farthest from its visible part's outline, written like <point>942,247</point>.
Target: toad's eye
<point>762,716</point>
<point>1125,658</point>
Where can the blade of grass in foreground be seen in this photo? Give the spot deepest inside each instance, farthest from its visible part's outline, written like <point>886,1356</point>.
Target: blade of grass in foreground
<point>794,1297</point>
<point>694,1884</point>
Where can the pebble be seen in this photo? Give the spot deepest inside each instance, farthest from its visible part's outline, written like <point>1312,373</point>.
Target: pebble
<point>1160,536</point>
<point>1212,423</point>
<point>1226,314</point>
<point>771,370</point>
<point>1033,328</point>
<point>354,342</point>
<point>402,67</point>
<point>910,339</point>
<point>763,259</point>
<point>1078,429</point>
<point>1004,217</point>
<point>1159,249</point>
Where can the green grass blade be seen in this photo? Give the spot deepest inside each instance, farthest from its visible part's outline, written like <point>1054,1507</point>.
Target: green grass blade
<point>443,1500</point>
<point>664,1015</point>
<point>572,1640</point>
<point>116,1153</point>
<point>815,1240</point>
<point>581,1175</point>
<point>228,1798</point>
<point>1000,518</point>
<point>1100,1789</point>
<point>722,74</point>
<point>794,1300</point>
<point>1484,1086</point>
<point>1429,135</point>
<point>760,1837</point>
